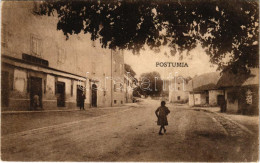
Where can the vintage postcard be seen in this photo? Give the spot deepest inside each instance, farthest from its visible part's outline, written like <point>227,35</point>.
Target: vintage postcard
<point>130,80</point>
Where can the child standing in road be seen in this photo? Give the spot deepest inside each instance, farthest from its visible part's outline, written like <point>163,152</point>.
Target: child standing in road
<point>161,114</point>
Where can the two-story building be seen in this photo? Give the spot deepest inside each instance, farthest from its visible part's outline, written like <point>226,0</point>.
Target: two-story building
<point>38,60</point>
<point>178,90</point>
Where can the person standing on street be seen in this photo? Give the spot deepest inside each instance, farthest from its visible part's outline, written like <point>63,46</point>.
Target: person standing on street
<point>82,101</point>
<point>161,114</point>
<point>36,102</point>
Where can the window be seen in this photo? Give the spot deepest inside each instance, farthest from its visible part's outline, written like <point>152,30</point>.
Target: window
<point>179,98</point>
<point>121,102</point>
<point>114,87</point>
<point>35,46</point>
<point>178,88</point>
<point>61,55</point>
<point>114,101</point>
<point>118,87</point>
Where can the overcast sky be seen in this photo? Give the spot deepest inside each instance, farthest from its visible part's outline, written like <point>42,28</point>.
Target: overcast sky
<point>198,62</point>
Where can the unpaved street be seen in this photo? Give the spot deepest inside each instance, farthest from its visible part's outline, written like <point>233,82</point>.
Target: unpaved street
<point>132,135</point>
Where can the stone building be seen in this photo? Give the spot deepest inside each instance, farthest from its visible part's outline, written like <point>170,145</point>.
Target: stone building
<point>38,60</point>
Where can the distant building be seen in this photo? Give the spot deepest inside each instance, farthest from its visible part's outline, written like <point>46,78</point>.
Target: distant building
<point>178,90</point>
<point>38,60</point>
<point>241,92</point>
<point>129,86</point>
<point>203,90</point>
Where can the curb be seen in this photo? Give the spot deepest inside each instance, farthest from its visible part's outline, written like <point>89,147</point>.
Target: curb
<point>245,129</point>
<point>67,110</point>
<point>219,125</point>
<point>242,127</point>
<point>37,111</point>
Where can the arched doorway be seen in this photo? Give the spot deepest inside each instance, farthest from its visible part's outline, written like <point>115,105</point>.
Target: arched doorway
<point>94,95</point>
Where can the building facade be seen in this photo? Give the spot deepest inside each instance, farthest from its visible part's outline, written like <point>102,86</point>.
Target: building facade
<point>241,92</point>
<point>177,90</point>
<point>203,90</point>
<point>209,97</point>
<point>38,60</point>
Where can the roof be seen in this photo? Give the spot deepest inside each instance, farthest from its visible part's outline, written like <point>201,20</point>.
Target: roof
<point>234,80</point>
<point>253,79</point>
<point>207,81</point>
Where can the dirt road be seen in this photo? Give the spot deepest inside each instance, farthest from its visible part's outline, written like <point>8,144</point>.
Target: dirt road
<point>132,135</point>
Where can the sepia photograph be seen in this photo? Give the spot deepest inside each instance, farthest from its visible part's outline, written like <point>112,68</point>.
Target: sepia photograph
<point>130,81</point>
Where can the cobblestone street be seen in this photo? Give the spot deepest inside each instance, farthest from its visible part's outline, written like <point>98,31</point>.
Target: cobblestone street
<point>129,133</point>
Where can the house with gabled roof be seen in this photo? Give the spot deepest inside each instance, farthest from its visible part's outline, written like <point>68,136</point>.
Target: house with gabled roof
<point>203,90</point>
<point>241,91</point>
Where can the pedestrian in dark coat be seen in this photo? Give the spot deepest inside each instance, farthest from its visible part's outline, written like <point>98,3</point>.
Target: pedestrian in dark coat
<point>223,106</point>
<point>82,101</point>
<point>161,114</point>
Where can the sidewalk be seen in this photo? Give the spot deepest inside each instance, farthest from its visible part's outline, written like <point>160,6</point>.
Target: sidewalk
<point>247,122</point>
<point>14,122</point>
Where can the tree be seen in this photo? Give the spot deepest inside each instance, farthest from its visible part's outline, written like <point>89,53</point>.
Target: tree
<point>151,83</point>
<point>138,92</point>
<point>228,32</point>
<point>129,69</point>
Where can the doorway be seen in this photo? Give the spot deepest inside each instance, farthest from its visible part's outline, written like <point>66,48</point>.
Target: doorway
<point>60,94</point>
<point>4,89</point>
<point>94,95</point>
<point>79,93</point>
<point>207,97</point>
<point>220,99</point>
<point>36,89</point>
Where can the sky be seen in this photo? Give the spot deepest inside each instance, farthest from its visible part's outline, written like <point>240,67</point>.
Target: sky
<point>198,62</point>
